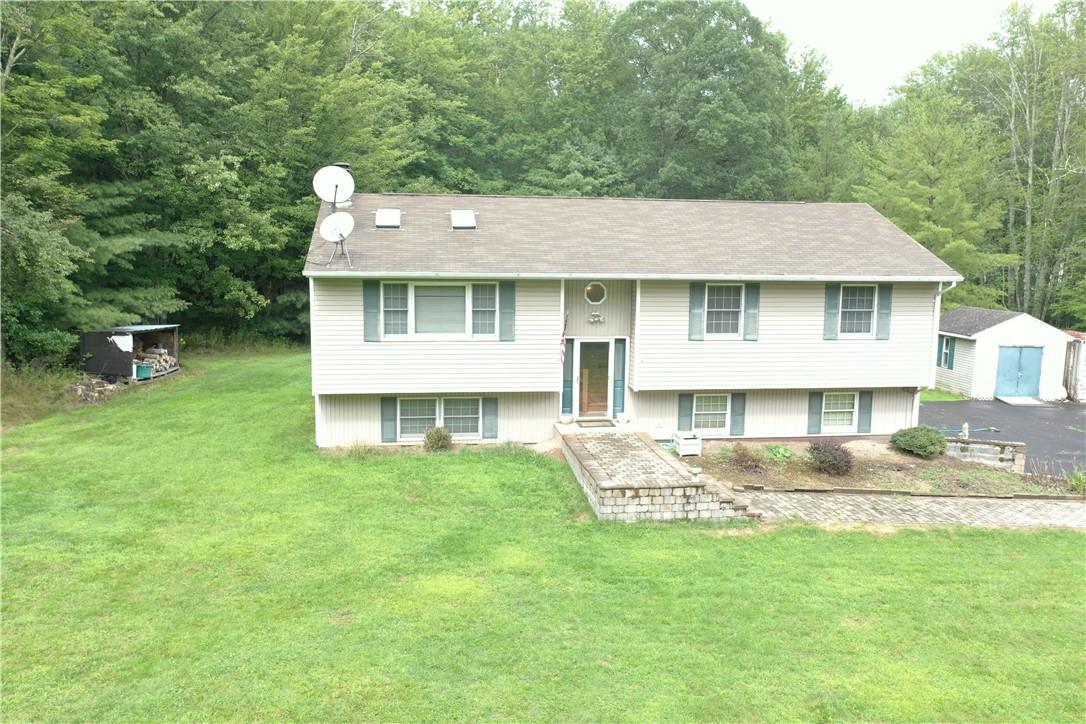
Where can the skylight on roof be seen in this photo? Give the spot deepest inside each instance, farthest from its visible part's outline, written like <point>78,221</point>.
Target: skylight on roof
<point>463,219</point>
<point>388,219</point>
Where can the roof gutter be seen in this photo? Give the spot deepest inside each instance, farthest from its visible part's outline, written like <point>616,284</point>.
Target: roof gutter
<point>317,274</point>
<point>935,334</point>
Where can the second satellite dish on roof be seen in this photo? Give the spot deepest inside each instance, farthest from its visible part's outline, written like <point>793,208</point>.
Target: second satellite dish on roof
<point>333,184</point>
<point>337,226</point>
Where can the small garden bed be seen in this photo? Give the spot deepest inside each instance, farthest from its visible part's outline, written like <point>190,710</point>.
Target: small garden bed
<point>788,466</point>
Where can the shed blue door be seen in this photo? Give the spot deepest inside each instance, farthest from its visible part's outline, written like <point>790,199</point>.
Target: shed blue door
<point>1019,372</point>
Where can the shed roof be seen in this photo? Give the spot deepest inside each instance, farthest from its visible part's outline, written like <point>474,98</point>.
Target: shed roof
<point>136,328</point>
<point>540,237</point>
<point>968,321</point>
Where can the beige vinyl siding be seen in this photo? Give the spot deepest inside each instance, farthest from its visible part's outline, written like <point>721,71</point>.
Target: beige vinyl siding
<point>616,309</point>
<point>771,413</point>
<point>790,349</point>
<point>631,369</point>
<point>959,379</point>
<point>345,420</point>
<point>343,363</point>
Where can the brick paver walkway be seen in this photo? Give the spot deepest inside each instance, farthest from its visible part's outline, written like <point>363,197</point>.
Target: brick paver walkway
<point>906,509</point>
<point>631,462</point>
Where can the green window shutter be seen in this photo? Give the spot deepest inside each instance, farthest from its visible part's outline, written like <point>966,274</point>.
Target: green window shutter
<point>490,418</point>
<point>686,412</point>
<point>882,323</point>
<point>833,311</point>
<point>507,311</point>
<point>864,421</point>
<point>738,412</point>
<point>939,350</point>
<point>619,397</point>
<point>697,311</point>
<point>753,294</point>
<point>371,310</point>
<point>814,413</point>
<point>950,356</point>
<point>567,379</point>
<point>388,419</point>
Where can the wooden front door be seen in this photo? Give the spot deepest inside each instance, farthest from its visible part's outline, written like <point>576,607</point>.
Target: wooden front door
<point>595,374</point>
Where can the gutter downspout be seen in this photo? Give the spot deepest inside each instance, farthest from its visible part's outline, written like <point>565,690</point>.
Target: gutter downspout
<point>935,343</point>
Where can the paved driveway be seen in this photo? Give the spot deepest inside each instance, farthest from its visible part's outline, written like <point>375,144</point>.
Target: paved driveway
<point>1055,433</point>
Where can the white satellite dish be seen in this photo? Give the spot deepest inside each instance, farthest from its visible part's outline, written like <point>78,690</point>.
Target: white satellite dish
<point>337,226</point>
<point>333,184</point>
<point>335,229</point>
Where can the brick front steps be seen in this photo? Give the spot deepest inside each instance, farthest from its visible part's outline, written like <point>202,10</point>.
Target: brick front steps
<point>627,476</point>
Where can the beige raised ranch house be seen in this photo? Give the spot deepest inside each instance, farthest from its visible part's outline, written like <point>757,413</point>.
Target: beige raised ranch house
<point>499,316</point>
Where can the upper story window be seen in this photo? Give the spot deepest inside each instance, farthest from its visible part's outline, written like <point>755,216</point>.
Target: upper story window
<point>595,293</point>
<point>723,309</point>
<point>857,310</point>
<point>439,310</point>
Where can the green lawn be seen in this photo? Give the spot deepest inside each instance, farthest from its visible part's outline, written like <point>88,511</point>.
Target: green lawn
<point>183,552</point>
<point>934,394</point>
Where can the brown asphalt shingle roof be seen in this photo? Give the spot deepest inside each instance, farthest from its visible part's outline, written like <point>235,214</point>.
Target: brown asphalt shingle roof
<point>604,237</point>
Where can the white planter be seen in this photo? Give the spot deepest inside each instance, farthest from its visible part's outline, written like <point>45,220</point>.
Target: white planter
<point>687,443</point>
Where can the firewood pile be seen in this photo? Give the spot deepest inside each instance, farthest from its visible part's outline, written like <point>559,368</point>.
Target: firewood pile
<point>92,389</point>
<point>160,357</point>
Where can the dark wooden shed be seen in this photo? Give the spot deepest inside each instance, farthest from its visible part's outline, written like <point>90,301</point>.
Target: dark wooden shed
<point>132,353</point>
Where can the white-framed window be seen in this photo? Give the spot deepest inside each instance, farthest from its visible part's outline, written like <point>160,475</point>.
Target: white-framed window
<point>416,416</point>
<point>484,309</point>
<point>839,411</point>
<point>857,310</point>
<point>439,310</point>
<point>395,308</point>
<point>461,416</point>
<point>723,310</point>
<point>711,412</point>
<point>595,293</point>
<point>944,353</point>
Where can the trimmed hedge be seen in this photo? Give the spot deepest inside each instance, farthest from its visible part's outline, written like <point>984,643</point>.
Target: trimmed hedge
<point>924,441</point>
<point>831,458</point>
<point>438,439</point>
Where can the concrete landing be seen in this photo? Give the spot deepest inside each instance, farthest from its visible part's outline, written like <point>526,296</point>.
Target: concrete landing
<point>1017,401</point>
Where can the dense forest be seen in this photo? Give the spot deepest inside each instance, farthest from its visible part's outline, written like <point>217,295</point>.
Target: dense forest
<point>157,156</point>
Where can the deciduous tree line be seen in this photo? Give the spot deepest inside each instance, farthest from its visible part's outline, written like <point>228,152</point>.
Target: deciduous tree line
<point>157,156</point>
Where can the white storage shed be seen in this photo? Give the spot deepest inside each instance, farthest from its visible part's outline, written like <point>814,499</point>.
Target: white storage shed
<point>992,353</point>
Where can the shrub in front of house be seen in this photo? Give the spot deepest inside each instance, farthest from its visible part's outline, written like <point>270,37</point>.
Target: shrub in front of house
<point>437,439</point>
<point>924,441</point>
<point>747,458</point>
<point>831,458</point>
<point>780,453</point>
<point>1076,481</point>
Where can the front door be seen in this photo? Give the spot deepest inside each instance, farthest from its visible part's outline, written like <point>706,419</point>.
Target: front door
<point>595,379</point>
<point>1019,372</point>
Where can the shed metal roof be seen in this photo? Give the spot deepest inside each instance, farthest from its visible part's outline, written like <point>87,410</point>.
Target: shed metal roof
<point>541,237</point>
<point>136,328</point>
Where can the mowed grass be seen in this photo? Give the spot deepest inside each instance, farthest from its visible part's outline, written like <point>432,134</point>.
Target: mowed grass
<point>934,394</point>
<point>183,552</point>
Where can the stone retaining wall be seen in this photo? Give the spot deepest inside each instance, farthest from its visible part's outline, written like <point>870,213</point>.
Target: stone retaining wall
<point>660,497</point>
<point>997,453</point>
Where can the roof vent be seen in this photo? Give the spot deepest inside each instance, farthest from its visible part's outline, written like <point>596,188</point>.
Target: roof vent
<point>387,219</point>
<point>463,219</point>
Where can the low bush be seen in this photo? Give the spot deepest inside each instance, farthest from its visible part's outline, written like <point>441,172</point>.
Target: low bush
<point>724,454</point>
<point>831,458</point>
<point>747,458</point>
<point>780,453</point>
<point>924,441</point>
<point>1076,481</point>
<point>438,439</point>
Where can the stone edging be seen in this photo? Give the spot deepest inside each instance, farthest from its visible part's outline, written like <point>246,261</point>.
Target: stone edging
<point>912,493</point>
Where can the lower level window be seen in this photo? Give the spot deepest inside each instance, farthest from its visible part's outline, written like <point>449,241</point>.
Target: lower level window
<point>710,412</point>
<point>417,415</point>
<point>461,416</point>
<point>838,411</point>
